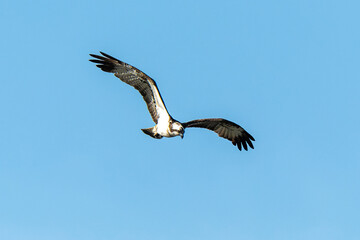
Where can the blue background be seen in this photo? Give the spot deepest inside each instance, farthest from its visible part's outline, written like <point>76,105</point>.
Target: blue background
<point>74,164</point>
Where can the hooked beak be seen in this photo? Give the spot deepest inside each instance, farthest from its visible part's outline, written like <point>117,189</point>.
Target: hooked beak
<point>182,133</point>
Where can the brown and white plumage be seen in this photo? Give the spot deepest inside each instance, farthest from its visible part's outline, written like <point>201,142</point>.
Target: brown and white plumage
<point>225,129</point>
<point>136,78</point>
<point>166,126</point>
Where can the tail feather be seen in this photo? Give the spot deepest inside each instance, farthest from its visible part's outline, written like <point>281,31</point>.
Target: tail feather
<point>151,132</point>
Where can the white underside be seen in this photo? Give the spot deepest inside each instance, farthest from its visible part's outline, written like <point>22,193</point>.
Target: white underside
<point>162,127</point>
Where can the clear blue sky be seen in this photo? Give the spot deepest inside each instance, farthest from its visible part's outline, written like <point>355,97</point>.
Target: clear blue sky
<point>75,165</point>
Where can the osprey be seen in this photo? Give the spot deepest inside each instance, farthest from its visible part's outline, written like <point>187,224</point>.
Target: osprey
<point>166,126</point>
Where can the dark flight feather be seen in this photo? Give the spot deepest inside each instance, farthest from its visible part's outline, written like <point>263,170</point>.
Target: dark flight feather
<point>225,129</point>
<point>136,78</point>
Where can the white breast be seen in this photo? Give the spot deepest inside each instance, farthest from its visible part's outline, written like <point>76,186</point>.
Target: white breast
<point>162,126</point>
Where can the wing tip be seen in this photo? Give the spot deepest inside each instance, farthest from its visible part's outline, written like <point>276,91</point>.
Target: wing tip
<point>251,137</point>
<point>106,63</point>
<point>243,143</point>
<point>110,57</point>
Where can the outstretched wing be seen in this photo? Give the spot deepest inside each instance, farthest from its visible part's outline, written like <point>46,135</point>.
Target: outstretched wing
<point>225,129</point>
<point>136,78</point>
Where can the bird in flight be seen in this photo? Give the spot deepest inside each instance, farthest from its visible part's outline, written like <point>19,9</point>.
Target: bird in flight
<point>166,126</point>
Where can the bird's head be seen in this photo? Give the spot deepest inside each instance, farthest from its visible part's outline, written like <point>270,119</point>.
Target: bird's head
<point>178,128</point>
